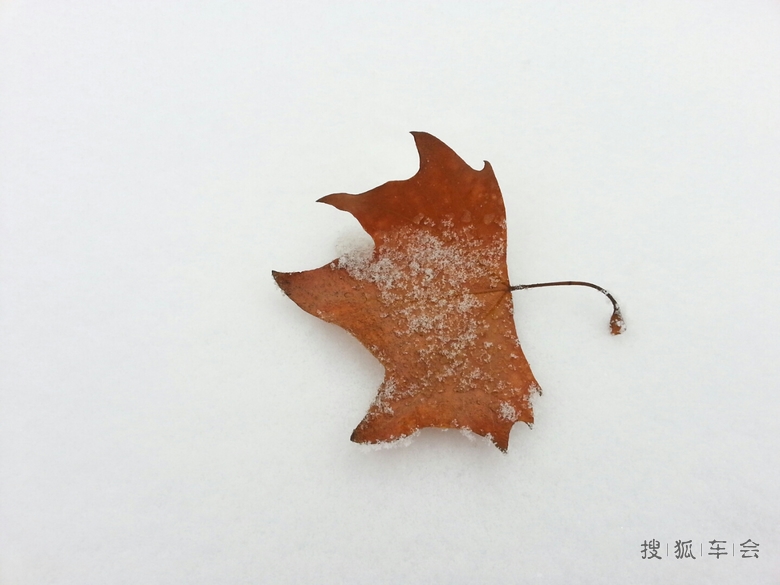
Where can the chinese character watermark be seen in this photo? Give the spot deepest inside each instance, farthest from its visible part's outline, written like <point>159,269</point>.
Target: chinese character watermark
<point>685,549</point>
<point>650,549</point>
<point>716,550</point>
<point>749,549</point>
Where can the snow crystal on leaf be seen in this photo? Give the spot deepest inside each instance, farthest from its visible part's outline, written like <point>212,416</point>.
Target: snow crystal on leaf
<point>391,444</point>
<point>422,281</point>
<point>507,412</point>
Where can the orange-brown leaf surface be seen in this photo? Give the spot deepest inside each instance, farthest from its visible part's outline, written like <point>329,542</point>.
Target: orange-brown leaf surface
<point>431,301</point>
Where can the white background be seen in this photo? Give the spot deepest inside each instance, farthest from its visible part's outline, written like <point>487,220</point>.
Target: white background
<point>168,416</point>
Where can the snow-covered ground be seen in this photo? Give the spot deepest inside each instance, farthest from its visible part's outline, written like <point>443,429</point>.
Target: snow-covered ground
<point>168,416</point>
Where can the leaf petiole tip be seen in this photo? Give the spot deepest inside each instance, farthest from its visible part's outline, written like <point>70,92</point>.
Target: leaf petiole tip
<point>617,324</point>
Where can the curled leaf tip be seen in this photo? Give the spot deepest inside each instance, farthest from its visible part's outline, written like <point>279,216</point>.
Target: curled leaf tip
<point>616,324</point>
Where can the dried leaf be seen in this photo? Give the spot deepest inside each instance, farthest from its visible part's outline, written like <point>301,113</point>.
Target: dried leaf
<point>431,301</point>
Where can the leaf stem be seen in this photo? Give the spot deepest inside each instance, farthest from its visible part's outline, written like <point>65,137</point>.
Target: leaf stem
<point>616,323</point>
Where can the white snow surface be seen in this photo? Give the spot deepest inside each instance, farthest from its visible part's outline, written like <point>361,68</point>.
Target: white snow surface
<point>167,415</point>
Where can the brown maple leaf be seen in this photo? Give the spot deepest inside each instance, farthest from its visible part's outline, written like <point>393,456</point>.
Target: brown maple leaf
<point>432,301</point>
